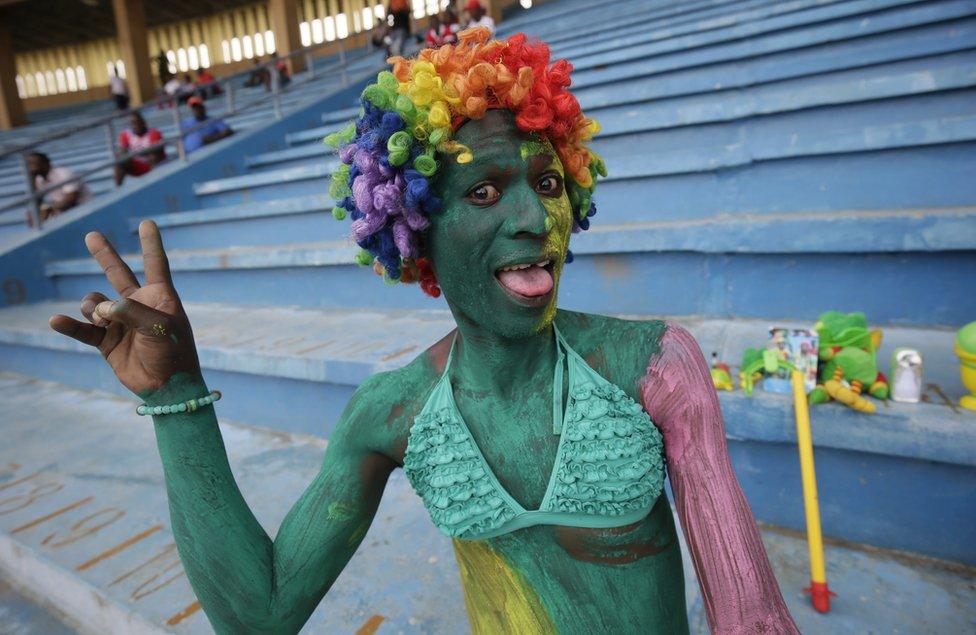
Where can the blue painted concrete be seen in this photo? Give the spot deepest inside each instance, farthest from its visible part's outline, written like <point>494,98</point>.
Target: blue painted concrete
<point>668,21</point>
<point>689,34</point>
<point>931,74</point>
<point>309,360</point>
<point>710,48</point>
<point>672,282</point>
<point>22,616</point>
<point>794,157</point>
<point>317,171</point>
<point>674,75</point>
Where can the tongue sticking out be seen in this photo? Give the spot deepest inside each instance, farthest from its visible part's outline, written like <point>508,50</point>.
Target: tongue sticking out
<point>530,282</point>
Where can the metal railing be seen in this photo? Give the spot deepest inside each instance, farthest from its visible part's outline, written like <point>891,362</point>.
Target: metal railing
<point>34,197</point>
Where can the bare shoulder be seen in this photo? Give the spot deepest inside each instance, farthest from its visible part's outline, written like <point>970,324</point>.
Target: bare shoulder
<point>382,409</point>
<point>619,349</point>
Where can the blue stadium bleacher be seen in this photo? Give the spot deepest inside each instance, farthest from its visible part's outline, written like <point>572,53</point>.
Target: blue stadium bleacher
<point>768,161</point>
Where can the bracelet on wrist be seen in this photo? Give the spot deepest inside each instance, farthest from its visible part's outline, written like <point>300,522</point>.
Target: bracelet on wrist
<point>184,406</point>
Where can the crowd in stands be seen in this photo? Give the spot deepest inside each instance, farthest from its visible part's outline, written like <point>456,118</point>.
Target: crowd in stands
<point>140,147</point>
<point>143,148</point>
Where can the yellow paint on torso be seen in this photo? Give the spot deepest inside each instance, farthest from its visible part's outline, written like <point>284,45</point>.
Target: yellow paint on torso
<point>498,598</point>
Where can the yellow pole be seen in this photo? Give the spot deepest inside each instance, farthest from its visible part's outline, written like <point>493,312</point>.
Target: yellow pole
<point>819,592</point>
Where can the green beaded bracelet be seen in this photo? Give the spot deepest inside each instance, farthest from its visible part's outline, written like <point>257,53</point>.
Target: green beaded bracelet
<point>186,406</point>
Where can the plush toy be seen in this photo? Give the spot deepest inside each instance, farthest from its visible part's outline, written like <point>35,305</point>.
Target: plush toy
<point>848,361</point>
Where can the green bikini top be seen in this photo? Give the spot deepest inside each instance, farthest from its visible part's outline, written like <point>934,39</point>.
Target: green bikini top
<point>608,470</point>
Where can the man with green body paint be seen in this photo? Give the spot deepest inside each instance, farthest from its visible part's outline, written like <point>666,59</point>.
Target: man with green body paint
<point>498,249</point>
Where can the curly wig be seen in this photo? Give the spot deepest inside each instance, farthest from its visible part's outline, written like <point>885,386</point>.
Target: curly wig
<point>389,155</point>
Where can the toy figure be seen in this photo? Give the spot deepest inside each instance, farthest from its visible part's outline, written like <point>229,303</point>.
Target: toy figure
<point>848,361</point>
<point>721,374</point>
<point>965,347</point>
<point>536,437</point>
<point>757,362</point>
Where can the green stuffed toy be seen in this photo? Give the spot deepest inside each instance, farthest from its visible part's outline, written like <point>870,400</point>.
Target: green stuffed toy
<point>848,361</point>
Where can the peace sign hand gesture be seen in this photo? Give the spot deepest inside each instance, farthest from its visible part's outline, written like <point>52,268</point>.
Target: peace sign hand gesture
<point>145,336</point>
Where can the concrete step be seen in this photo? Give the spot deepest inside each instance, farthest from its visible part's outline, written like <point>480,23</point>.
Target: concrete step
<point>907,122</point>
<point>261,358</point>
<point>799,138</point>
<point>20,615</point>
<point>947,72</point>
<point>273,222</point>
<point>665,21</point>
<point>694,30</point>
<point>124,575</point>
<point>750,270</point>
<point>910,176</point>
<point>344,114</point>
<point>247,343</point>
<point>763,167</point>
<point>288,156</point>
<point>297,180</point>
<point>938,75</point>
<point>755,60</point>
<point>861,19</point>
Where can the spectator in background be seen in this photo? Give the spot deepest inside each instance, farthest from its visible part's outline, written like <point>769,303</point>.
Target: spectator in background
<point>210,130</point>
<point>433,38</point>
<point>138,137</point>
<point>178,90</point>
<point>399,10</point>
<point>259,75</point>
<point>449,26</point>
<point>207,85</point>
<point>187,89</point>
<point>62,198</point>
<point>120,92</point>
<point>281,68</point>
<point>162,68</point>
<point>478,17</point>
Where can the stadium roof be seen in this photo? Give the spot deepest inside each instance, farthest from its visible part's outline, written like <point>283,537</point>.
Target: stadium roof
<point>40,24</point>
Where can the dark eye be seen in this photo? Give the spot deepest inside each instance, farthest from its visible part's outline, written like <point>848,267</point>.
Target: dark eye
<point>484,194</point>
<point>550,185</point>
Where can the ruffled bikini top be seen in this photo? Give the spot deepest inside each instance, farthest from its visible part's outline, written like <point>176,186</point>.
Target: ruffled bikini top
<point>608,471</point>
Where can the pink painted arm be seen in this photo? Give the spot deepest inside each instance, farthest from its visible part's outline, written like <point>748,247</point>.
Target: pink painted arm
<point>738,587</point>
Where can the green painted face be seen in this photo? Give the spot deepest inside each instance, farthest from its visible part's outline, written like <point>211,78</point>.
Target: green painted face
<point>499,245</point>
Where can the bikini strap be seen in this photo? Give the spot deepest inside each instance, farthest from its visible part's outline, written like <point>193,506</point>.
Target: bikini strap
<point>557,382</point>
<point>450,355</point>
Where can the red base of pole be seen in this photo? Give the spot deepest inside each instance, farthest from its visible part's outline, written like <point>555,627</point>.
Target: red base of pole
<point>820,596</point>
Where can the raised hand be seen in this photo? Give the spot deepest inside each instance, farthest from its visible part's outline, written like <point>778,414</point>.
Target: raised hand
<point>145,335</point>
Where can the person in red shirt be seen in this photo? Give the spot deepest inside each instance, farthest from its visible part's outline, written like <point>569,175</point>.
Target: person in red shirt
<point>139,138</point>
<point>433,39</point>
<point>449,26</point>
<point>207,85</point>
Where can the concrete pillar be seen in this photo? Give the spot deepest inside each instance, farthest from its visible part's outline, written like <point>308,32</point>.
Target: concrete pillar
<point>11,108</point>
<point>283,15</point>
<point>133,40</point>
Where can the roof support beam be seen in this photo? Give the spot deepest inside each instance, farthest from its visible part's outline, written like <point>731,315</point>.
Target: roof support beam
<point>130,24</point>
<point>284,22</point>
<point>11,107</point>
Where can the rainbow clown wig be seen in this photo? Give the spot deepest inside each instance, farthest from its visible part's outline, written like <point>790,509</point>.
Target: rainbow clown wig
<point>389,156</point>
